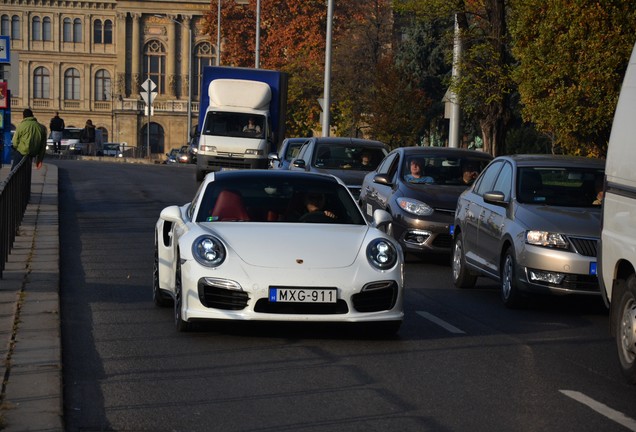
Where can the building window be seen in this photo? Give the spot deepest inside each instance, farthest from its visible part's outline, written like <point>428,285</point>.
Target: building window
<point>108,32</point>
<point>47,34</point>
<point>71,84</point>
<point>77,30</point>
<point>36,29</point>
<point>102,85</point>
<point>41,83</point>
<point>5,25</point>
<point>204,56</point>
<point>67,30</point>
<point>155,64</point>
<point>97,31</point>
<point>15,27</point>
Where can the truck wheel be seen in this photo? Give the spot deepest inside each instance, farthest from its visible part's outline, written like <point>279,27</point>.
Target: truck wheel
<point>626,330</point>
<point>200,175</point>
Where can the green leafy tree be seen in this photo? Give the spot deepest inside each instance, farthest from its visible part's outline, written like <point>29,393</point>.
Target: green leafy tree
<point>572,58</point>
<point>484,84</point>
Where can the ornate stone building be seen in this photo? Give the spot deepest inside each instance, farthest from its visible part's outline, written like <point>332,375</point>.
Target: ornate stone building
<point>88,59</point>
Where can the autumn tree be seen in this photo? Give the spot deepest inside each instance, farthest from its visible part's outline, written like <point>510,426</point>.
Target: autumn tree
<point>292,39</point>
<point>572,58</point>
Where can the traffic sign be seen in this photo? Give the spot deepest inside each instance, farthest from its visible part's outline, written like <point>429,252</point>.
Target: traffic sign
<point>149,86</point>
<point>149,98</point>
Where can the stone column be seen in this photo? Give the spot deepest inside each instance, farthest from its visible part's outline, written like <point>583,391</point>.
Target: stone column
<point>186,54</point>
<point>171,59</point>
<point>136,58</point>
<point>119,88</point>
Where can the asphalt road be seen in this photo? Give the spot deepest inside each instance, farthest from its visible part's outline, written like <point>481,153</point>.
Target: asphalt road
<point>461,362</point>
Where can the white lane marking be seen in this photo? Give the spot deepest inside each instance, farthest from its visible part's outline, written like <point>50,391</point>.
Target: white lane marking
<point>600,408</point>
<point>440,322</point>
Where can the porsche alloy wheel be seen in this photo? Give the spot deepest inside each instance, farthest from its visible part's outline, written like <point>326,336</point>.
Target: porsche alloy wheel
<point>510,294</point>
<point>179,323</point>
<point>158,297</point>
<point>626,330</point>
<point>461,275</point>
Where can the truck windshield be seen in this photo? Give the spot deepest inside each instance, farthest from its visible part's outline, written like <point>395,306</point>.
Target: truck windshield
<point>230,124</point>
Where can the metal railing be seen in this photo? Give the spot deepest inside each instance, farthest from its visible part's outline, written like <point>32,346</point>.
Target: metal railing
<point>15,192</point>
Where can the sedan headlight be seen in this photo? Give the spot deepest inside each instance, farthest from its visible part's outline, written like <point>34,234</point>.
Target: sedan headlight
<point>547,239</point>
<point>208,251</point>
<point>415,207</point>
<point>382,254</point>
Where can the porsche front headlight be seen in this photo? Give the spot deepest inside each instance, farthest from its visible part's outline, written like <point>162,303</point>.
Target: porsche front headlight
<point>382,254</point>
<point>547,239</point>
<point>208,251</point>
<point>415,207</point>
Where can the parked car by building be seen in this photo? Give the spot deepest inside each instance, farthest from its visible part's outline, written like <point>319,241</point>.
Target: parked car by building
<point>184,155</point>
<point>112,150</point>
<point>171,158</point>
<point>617,254</point>
<point>349,159</point>
<point>531,222</point>
<point>422,208</point>
<point>288,151</point>
<point>233,253</point>
<point>70,137</point>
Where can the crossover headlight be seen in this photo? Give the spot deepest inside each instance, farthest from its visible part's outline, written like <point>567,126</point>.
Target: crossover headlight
<point>415,207</point>
<point>547,239</point>
<point>382,254</point>
<point>208,251</point>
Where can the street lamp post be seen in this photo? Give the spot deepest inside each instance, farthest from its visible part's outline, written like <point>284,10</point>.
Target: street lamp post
<point>218,34</point>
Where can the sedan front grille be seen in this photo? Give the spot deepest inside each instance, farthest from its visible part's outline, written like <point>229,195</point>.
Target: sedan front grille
<point>584,246</point>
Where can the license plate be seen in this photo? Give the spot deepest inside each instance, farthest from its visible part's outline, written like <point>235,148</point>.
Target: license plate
<point>302,295</point>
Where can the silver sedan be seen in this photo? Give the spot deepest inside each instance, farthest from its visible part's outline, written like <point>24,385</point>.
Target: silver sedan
<point>532,223</point>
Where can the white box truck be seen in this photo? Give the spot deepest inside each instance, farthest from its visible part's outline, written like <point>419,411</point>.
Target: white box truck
<point>617,252</point>
<point>241,118</point>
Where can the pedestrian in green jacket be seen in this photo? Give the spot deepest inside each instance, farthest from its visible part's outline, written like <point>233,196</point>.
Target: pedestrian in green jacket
<point>29,140</point>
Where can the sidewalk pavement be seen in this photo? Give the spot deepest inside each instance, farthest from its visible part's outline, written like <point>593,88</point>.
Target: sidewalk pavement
<point>30,337</point>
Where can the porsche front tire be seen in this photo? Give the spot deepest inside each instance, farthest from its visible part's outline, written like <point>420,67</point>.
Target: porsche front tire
<point>180,324</point>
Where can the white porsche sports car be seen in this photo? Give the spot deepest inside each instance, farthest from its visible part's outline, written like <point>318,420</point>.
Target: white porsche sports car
<point>276,246</point>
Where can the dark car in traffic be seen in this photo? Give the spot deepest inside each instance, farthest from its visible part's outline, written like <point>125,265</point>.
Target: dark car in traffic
<point>288,151</point>
<point>419,187</point>
<point>531,223</point>
<point>349,159</point>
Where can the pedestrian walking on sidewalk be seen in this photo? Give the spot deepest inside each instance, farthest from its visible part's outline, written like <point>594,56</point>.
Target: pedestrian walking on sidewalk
<point>57,127</point>
<point>29,140</point>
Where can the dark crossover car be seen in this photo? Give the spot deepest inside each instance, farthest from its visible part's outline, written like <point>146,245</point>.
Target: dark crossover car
<point>288,151</point>
<point>349,159</point>
<point>419,187</point>
<point>531,222</point>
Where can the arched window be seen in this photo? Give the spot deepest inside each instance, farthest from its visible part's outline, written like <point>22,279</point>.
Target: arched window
<point>15,27</point>
<point>155,64</point>
<point>204,56</point>
<point>41,83</point>
<point>108,32</point>
<point>47,35</point>
<point>77,30</point>
<point>67,30</point>
<point>97,31</point>
<point>102,85</point>
<point>36,29</point>
<point>104,132</point>
<point>71,84</point>
<point>5,25</point>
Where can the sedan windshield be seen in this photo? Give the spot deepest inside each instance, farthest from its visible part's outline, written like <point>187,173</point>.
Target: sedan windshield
<point>560,186</point>
<point>443,170</point>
